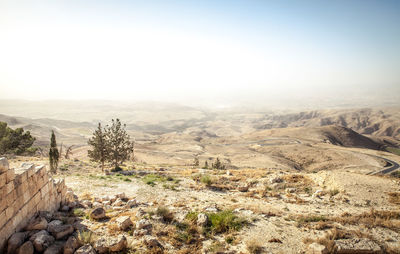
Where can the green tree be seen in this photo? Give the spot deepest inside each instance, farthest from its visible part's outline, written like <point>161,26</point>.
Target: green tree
<point>100,148</point>
<point>15,141</point>
<point>196,162</point>
<point>218,164</point>
<point>119,143</point>
<point>205,165</point>
<point>53,153</point>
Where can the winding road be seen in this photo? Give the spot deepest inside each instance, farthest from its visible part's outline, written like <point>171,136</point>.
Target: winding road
<point>392,166</point>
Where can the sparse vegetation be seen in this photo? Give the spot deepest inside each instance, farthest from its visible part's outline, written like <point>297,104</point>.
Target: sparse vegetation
<point>53,154</point>
<point>254,246</point>
<point>15,141</point>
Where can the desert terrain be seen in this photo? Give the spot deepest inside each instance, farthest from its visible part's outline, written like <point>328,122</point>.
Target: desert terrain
<point>294,182</point>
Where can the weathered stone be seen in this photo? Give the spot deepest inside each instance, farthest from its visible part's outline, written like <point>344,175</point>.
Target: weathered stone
<point>140,213</point>
<point>38,223</point>
<point>26,248</point>
<point>60,231</point>
<point>98,214</point>
<point>290,190</point>
<point>42,240</point>
<point>87,204</point>
<point>53,224</point>
<point>117,244</point>
<point>202,219</point>
<point>118,202</point>
<point>131,203</point>
<point>151,242</point>
<point>55,248</point>
<point>143,224</point>
<point>101,246</point>
<point>316,248</point>
<point>276,179</point>
<point>243,188</point>
<point>3,165</point>
<point>85,249</point>
<point>65,208</point>
<point>362,245</point>
<point>71,245</point>
<point>97,205</point>
<point>121,195</point>
<point>124,222</point>
<point>15,241</point>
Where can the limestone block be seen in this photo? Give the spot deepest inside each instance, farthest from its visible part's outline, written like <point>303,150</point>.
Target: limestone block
<point>3,165</point>
<point>10,175</point>
<point>9,187</point>
<point>3,179</point>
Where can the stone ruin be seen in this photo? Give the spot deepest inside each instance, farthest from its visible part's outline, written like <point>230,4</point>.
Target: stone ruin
<point>24,192</point>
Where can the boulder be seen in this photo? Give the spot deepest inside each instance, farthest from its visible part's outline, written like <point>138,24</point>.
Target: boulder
<point>42,240</point>
<point>118,202</point>
<point>3,165</point>
<point>202,220</point>
<point>38,223</point>
<point>117,244</point>
<point>124,222</point>
<point>362,245</point>
<point>53,224</point>
<point>316,248</point>
<point>16,240</point>
<point>143,224</point>
<point>101,246</point>
<point>131,203</point>
<point>151,242</point>
<point>55,248</point>
<point>85,249</point>
<point>26,248</point>
<point>60,231</point>
<point>243,188</point>
<point>71,245</point>
<point>98,214</point>
<point>113,244</point>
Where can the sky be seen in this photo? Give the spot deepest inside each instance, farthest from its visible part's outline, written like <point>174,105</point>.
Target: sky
<point>198,50</point>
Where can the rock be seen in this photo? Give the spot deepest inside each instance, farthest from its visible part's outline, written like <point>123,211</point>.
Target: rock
<point>131,203</point>
<point>211,209</point>
<point>106,203</point>
<point>117,244</point>
<point>52,224</point>
<point>151,242</point>
<point>38,223</point>
<point>26,248</point>
<point>228,173</point>
<point>118,202</point>
<point>105,198</point>
<point>140,213</point>
<point>3,165</point>
<point>98,214</point>
<point>124,222</point>
<point>316,248</point>
<point>142,232</point>
<point>85,249</point>
<point>46,214</point>
<point>143,224</point>
<point>16,240</point>
<point>290,190</point>
<point>87,204</point>
<point>79,226</point>
<point>71,245</point>
<point>243,188</point>
<point>121,195</point>
<point>97,205</point>
<point>65,208</point>
<point>317,193</point>
<point>60,231</point>
<point>202,220</point>
<point>69,196</point>
<point>101,246</point>
<point>42,240</point>
<point>276,179</point>
<point>56,248</point>
<point>362,245</point>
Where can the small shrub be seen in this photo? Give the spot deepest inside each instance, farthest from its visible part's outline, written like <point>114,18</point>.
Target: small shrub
<point>79,212</point>
<point>116,169</point>
<point>254,246</point>
<point>333,192</point>
<point>165,213</point>
<point>206,179</point>
<point>225,221</point>
<point>86,237</point>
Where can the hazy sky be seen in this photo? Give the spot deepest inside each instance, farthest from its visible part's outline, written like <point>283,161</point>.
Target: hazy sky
<point>174,50</point>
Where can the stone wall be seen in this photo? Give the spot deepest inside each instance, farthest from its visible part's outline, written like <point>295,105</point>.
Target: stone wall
<point>23,192</point>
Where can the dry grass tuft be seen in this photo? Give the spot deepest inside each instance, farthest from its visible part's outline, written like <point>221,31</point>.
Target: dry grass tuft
<point>394,198</point>
<point>254,246</point>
